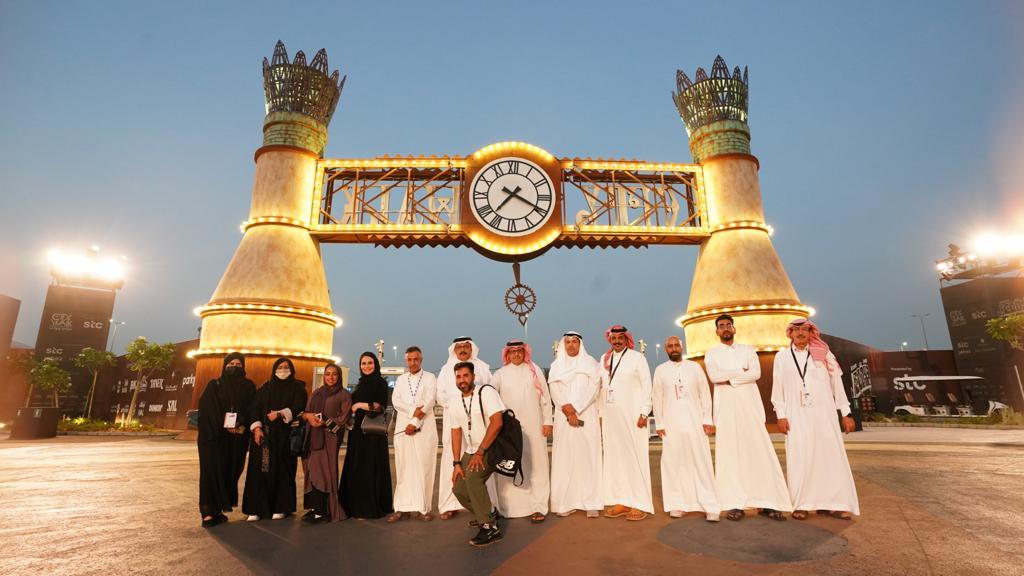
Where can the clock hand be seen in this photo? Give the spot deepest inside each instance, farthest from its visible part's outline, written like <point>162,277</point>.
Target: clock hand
<point>510,193</point>
<point>518,197</point>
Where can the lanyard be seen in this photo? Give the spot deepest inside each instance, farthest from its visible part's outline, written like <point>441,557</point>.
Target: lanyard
<point>409,382</point>
<point>469,419</point>
<point>802,373</point>
<point>615,368</point>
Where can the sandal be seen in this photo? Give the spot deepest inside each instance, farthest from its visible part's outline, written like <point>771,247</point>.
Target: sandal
<point>537,518</point>
<point>426,517</point>
<point>735,514</point>
<point>773,514</point>
<point>799,515</point>
<point>636,515</point>
<point>394,517</point>
<point>449,514</point>
<point>841,515</point>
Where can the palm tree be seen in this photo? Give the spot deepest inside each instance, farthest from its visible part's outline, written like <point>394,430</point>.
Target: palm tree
<point>1009,328</point>
<point>23,364</point>
<point>144,359</point>
<point>92,361</point>
<point>48,375</point>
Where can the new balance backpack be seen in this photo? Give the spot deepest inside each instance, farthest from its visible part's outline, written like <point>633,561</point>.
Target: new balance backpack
<point>506,452</point>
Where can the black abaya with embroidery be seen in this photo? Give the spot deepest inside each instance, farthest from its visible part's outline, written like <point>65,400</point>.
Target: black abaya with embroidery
<point>270,481</point>
<point>366,474</point>
<point>222,453</point>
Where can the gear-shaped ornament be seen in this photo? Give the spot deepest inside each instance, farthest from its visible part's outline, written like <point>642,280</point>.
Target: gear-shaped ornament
<point>520,299</point>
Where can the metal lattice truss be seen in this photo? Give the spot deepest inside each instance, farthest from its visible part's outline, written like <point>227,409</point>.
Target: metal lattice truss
<point>415,202</point>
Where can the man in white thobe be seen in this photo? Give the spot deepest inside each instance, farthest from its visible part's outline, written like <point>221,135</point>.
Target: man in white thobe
<point>807,390</point>
<point>415,439</point>
<point>574,382</point>
<point>747,471</point>
<point>682,415</point>
<point>463,349</point>
<point>524,391</point>
<point>625,405</point>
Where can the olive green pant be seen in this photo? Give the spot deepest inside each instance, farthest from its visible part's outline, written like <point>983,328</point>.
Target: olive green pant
<point>472,490</point>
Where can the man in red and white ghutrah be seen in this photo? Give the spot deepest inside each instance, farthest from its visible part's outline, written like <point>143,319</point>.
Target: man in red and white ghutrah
<point>625,405</point>
<point>524,391</point>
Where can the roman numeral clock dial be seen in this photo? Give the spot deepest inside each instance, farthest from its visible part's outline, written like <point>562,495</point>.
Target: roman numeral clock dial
<point>512,196</point>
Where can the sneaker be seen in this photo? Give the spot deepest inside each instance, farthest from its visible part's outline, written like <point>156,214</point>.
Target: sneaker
<point>676,514</point>
<point>491,519</point>
<point>713,517</point>
<point>278,516</point>
<point>487,536</point>
<point>593,513</point>
<point>252,518</point>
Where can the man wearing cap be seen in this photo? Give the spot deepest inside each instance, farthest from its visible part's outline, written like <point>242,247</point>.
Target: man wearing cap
<point>682,414</point>
<point>807,390</point>
<point>747,471</point>
<point>574,382</point>
<point>625,405</point>
<point>524,391</point>
<point>462,349</point>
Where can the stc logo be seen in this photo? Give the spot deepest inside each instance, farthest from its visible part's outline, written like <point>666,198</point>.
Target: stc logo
<point>907,385</point>
<point>60,322</point>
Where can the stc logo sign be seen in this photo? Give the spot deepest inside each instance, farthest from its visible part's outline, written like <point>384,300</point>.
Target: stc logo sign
<point>60,322</point>
<point>901,386</point>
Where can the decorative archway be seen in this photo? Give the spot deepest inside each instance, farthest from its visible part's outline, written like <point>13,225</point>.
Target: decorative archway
<point>511,201</point>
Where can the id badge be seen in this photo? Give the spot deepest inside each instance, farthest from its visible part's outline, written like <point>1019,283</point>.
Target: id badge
<point>805,398</point>
<point>680,391</point>
<point>609,397</point>
<point>230,419</point>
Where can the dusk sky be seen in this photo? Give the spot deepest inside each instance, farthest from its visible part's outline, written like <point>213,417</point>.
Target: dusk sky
<point>885,131</point>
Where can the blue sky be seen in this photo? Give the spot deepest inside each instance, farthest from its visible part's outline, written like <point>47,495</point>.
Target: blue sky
<point>885,131</point>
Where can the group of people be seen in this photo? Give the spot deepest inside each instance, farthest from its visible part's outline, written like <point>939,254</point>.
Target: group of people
<point>235,419</point>
<point>594,411</point>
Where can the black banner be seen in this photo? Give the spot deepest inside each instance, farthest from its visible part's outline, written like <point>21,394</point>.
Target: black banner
<point>969,306</point>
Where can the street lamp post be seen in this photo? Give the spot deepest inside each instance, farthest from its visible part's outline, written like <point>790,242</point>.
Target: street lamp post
<point>903,345</point>
<point>395,350</point>
<point>924,333</point>
<point>657,352</point>
<point>113,333</point>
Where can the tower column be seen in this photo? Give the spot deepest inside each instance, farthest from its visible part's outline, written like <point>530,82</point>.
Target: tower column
<point>738,271</point>
<point>273,299</point>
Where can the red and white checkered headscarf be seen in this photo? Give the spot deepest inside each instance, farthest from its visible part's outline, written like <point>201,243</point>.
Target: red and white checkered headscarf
<point>818,348</point>
<point>527,355</point>
<point>618,328</point>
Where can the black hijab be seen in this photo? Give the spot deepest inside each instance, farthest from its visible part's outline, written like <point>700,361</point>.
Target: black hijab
<point>240,374</point>
<point>373,377</point>
<point>277,363</point>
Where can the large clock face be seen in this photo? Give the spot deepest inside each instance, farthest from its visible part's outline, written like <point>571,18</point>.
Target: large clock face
<point>512,196</point>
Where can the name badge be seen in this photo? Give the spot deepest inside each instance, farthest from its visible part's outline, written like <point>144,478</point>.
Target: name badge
<point>609,396</point>
<point>805,398</point>
<point>230,419</point>
<point>680,391</point>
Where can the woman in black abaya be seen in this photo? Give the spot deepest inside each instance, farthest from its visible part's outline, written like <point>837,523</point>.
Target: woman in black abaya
<point>270,482</point>
<point>223,438</point>
<point>366,474</point>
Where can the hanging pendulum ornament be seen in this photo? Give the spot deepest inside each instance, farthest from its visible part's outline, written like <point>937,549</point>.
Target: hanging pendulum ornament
<point>520,299</point>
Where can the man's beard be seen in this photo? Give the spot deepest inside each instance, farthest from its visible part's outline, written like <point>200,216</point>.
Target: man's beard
<point>676,357</point>
<point>728,337</point>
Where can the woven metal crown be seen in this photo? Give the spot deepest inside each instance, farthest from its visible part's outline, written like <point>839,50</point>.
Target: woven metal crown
<point>709,99</point>
<point>300,87</point>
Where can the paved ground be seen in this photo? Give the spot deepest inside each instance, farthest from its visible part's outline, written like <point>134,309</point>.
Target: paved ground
<point>934,501</point>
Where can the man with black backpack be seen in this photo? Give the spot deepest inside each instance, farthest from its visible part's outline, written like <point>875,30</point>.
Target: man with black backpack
<point>476,422</point>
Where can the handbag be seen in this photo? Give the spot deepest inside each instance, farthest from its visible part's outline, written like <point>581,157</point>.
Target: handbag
<point>298,440</point>
<point>375,424</point>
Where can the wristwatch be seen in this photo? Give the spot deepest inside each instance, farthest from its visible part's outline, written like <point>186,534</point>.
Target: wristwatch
<point>456,463</point>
